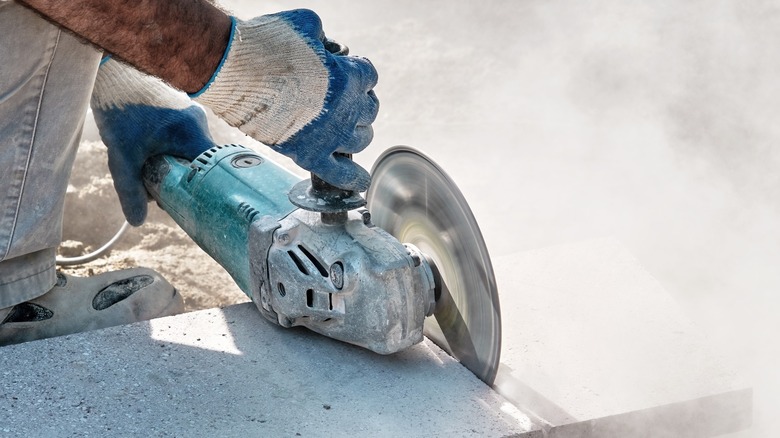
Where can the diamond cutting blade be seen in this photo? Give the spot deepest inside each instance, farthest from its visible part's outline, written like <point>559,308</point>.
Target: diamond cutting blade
<point>415,201</point>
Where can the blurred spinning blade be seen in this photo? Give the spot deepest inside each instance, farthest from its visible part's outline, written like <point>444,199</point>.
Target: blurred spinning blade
<point>415,201</point>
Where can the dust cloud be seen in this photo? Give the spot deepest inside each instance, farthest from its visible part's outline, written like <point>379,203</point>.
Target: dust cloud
<point>653,122</point>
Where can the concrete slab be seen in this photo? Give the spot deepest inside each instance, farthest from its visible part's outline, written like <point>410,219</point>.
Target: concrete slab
<point>230,373</point>
<point>594,346</point>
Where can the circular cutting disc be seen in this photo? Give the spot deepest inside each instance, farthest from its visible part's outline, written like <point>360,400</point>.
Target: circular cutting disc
<point>415,201</point>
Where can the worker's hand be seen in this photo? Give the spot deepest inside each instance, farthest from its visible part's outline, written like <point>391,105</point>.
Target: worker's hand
<point>279,84</point>
<point>138,117</point>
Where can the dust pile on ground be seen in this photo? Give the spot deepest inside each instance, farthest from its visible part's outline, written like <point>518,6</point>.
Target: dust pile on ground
<point>93,215</point>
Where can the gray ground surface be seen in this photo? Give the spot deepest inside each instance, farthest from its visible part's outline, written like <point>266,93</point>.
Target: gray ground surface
<point>229,373</point>
<point>592,347</point>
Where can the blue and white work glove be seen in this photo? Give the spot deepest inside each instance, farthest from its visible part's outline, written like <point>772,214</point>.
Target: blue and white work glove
<point>278,84</point>
<point>139,116</point>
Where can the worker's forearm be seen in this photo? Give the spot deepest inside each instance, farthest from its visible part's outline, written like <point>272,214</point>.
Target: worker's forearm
<point>179,41</point>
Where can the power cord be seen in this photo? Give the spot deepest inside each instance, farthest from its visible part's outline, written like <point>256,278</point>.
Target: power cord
<point>86,258</point>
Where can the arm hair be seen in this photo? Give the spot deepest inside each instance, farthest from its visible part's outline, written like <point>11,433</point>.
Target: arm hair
<point>179,41</point>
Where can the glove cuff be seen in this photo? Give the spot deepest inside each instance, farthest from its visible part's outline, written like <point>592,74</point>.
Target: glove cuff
<point>118,85</point>
<point>271,82</point>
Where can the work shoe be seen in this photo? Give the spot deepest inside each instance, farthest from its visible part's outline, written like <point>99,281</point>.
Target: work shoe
<point>78,304</point>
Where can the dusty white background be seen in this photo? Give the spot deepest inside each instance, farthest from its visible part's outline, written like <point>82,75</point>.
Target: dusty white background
<point>654,122</point>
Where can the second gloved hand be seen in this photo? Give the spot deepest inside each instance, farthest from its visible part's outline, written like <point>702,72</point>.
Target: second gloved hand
<point>279,84</point>
<point>139,116</point>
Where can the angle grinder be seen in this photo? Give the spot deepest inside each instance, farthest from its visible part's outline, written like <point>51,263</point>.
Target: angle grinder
<point>308,254</point>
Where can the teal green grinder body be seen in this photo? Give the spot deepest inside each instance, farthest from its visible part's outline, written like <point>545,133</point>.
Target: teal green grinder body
<point>216,198</point>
